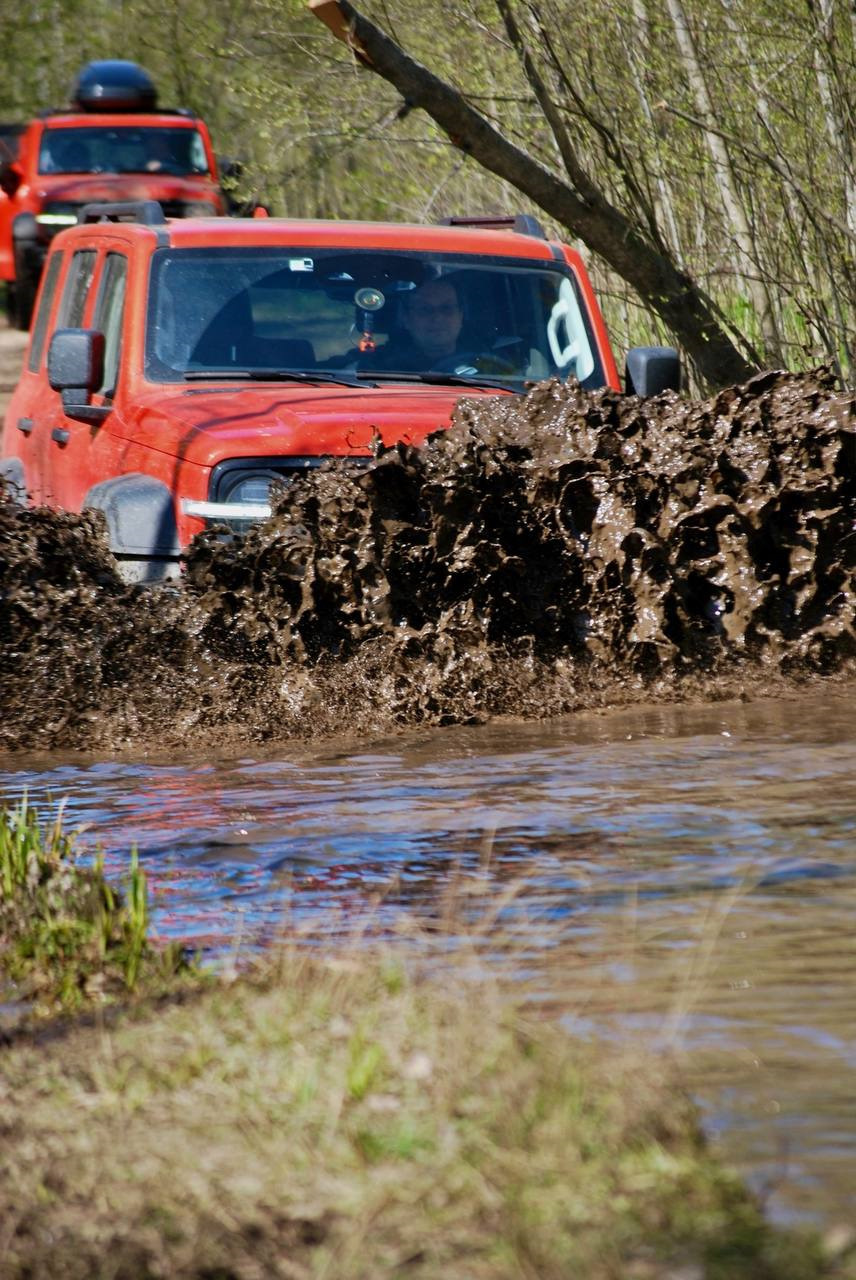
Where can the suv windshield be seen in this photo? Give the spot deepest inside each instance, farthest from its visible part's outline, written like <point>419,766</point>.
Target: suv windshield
<point>370,313</point>
<point>122,149</point>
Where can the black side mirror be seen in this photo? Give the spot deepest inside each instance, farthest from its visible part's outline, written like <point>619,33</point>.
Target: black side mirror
<point>76,369</point>
<point>10,178</point>
<point>650,370</point>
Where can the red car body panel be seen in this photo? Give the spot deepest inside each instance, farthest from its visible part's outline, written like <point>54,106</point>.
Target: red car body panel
<point>180,438</point>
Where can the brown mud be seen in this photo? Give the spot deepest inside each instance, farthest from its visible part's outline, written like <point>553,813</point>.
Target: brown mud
<point>547,553</point>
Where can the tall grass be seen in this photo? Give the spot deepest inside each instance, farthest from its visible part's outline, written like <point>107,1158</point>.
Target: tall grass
<point>66,934</point>
<point>331,1116</point>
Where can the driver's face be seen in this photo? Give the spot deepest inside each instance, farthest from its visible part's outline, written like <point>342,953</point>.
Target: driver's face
<point>433,318</point>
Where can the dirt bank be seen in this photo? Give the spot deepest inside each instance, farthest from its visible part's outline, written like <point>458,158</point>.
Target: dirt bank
<point>12,346</point>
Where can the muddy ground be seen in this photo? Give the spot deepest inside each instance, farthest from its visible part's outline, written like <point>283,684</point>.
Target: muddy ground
<point>550,552</point>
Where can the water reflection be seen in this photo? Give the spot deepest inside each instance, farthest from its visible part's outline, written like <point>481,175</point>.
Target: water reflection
<point>688,877</point>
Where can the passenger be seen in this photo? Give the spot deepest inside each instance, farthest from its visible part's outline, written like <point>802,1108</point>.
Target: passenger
<point>66,155</point>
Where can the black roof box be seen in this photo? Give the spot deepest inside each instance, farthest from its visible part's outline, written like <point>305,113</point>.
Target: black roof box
<point>114,86</point>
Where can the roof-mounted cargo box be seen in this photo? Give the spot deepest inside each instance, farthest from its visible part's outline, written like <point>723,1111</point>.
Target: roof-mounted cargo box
<point>114,86</point>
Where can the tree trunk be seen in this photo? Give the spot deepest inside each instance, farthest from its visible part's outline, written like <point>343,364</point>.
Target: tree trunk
<point>818,268</point>
<point>731,200</point>
<point>641,45</point>
<point>577,205</point>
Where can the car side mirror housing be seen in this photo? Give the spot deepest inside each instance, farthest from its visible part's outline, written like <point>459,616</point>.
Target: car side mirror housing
<point>10,178</point>
<point>76,369</point>
<point>650,370</point>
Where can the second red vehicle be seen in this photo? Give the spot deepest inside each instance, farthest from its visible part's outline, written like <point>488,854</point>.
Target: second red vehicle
<point>113,142</point>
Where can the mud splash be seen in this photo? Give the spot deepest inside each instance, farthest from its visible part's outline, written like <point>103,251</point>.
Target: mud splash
<point>561,550</point>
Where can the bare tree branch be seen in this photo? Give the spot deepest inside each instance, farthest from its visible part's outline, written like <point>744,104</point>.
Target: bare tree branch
<point>684,308</point>
<point>772,162</point>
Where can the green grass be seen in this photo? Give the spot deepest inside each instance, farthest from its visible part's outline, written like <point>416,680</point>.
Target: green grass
<point>314,1120</point>
<point>66,935</point>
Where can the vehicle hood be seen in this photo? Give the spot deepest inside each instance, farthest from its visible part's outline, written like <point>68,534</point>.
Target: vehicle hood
<point>109,187</point>
<point>206,426</point>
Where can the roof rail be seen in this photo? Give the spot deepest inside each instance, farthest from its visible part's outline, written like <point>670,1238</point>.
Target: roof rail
<point>523,223</point>
<point>186,112</point>
<point>147,212</point>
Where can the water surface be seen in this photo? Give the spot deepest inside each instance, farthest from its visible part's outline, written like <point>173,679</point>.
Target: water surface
<point>686,878</point>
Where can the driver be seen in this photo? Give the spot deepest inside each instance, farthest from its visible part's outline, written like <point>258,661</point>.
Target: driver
<point>432,318</point>
<point>160,155</point>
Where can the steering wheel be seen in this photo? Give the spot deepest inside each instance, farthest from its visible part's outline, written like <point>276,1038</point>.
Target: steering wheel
<point>469,364</point>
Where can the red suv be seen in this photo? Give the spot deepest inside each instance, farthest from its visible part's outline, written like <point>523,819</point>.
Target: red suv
<point>177,369</point>
<point>112,144</point>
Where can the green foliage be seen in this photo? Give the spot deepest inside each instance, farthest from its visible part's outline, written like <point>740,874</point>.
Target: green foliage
<point>66,935</point>
<point>320,136</point>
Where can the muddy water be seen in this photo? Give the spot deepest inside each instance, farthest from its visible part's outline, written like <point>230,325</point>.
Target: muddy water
<point>685,877</point>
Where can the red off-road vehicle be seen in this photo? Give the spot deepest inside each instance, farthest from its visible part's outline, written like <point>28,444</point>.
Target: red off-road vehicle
<point>112,144</point>
<point>177,369</point>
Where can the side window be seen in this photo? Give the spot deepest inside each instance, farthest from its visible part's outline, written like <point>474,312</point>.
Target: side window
<point>77,284</point>
<point>108,316</point>
<point>40,328</point>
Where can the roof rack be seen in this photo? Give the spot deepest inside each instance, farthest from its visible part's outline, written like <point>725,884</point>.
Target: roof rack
<point>147,212</point>
<point>523,223</point>
<point>186,113</point>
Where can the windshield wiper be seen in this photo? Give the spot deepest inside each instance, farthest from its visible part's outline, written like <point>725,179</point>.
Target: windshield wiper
<point>273,375</point>
<point>439,379</point>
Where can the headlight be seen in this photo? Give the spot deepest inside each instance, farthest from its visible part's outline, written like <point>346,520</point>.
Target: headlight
<point>56,219</point>
<point>244,500</point>
<point>53,218</point>
<point>250,486</point>
<point>199,209</point>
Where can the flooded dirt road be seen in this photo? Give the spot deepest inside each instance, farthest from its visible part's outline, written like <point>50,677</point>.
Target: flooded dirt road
<point>686,877</point>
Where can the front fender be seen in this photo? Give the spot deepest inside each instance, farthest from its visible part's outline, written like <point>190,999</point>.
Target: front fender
<point>140,515</point>
<point>13,479</point>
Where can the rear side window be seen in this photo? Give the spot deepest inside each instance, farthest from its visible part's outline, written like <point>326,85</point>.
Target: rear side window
<point>40,328</point>
<point>76,290</point>
<point>108,316</point>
